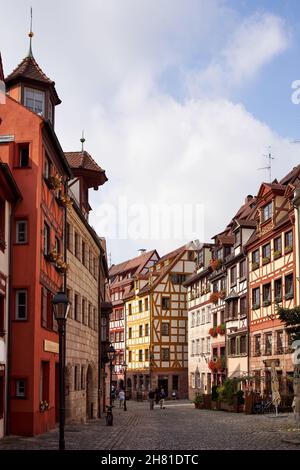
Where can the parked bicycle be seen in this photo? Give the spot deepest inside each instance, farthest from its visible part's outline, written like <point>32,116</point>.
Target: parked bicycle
<point>262,407</point>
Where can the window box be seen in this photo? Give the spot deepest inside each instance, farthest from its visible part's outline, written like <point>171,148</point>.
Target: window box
<point>216,264</point>
<point>214,297</point>
<point>266,303</point>
<point>255,306</point>
<point>255,266</point>
<point>289,296</point>
<point>266,260</point>
<point>277,300</point>
<point>54,182</point>
<point>277,254</point>
<point>52,256</point>
<point>213,332</point>
<point>288,249</point>
<point>221,329</point>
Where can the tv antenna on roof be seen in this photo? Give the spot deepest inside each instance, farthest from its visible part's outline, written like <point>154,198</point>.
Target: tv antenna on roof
<point>269,166</point>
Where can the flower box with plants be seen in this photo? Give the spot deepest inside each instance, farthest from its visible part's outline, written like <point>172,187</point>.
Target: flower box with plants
<point>216,264</point>
<point>54,182</point>
<point>52,256</point>
<point>289,296</point>
<point>214,297</point>
<point>288,249</point>
<point>221,329</point>
<point>266,303</point>
<point>198,401</point>
<point>255,265</point>
<point>278,299</point>
<point>213,332</point>
<point>277,254</point>
<point>61,266</point>
<point>44,406</point>
<point>266,260</point>
<point>255,306</point>
<point>64,200</point>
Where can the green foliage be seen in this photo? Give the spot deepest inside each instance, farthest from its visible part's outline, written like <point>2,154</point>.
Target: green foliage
<point>291,318</point>
<point>198,400</point>
<point>240,397</point>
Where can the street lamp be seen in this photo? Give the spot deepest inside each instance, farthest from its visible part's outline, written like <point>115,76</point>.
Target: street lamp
<point>125,379</point>
<point>61,307</point>
<point>111,356</point>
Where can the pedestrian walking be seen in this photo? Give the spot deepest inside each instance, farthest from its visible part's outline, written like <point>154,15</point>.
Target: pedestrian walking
<point>121,398</point>
<point>151,396</point>
<point>162,397</point>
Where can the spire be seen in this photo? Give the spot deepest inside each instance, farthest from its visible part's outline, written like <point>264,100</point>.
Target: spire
<point>1,70</point>
<point>82,140</point>
<point>30,34</point>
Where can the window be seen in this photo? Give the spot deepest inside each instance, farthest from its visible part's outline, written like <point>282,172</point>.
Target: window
<point>255,298</point>
<point>202,348</point>
<point>237,238</point>
<point>198,318</point>
<point>197,347</point>
<point>242,269</point>
<point>130,333</point>
<point>165,329</point>
<point>267,212</point>
<point>215,319</point>
<point>257,345</point>
<point>243,306</point>
<point>83,311</point>
<point>117,339</point>
<point>208,316</point>
<point>289,286</point>
<point>23,150</point>
<point>90,315</point>
<point>268,344</point>
<point>166,303</point>
<point>279,342</point>
<point>266,294</point>
<point>2,316</point>
<point>140,331</point>
<point>47,167</point>
<point>35,100</point>
<point>146,354</point>
<point>165,354</point>
<point>69,237</point>
<point>232,346</point>
<point>278,290</point>
<point>21,304</point>
<point>76,307</point>
<point>129,309</point>
<point>193,380</point>
<point>222,316</point>
<point>47,310</point>
<point>20,388</point>
<point>208,344</point>
<point>146,304</point>
<point>178,278</point>
<point>277,247</point>
<point>203,316</point>
<point>193,319</point>
<point>46,239</point>
<point>77,246</point>
<point>147,329</point>
<point>83,253</point>
<point>255,259</point>
<point>57,245</point>
<point>243,344</point>
<point>266,253</point>
<point>140,355</point>
<point>288,241</point>
<point>21,232</point>
<point>2,224</point>
<point>76,378</point>
<point>140,306</point>
<point>112,337</point>
<point>82,385</point>
<point>121,336</point>
<point>233,276</point>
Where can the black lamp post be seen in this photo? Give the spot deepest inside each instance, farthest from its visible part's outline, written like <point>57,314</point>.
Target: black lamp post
<point>61,306</point>
<point>111,356</point>
<point>125,379</point>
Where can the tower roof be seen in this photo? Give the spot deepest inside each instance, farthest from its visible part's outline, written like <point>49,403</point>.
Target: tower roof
<point>30,71</point>
<point>82,163</point>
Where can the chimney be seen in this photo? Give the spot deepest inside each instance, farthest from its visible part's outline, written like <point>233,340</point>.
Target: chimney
<point>141,251</point>
<point>248,198</point>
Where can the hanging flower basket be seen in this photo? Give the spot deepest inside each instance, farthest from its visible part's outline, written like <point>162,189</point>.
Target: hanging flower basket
<point>52,256</point>
<point>61,266</point>
<point>221,329</point>
<point>55,182</point>
<point>213,332</point>
<point>214,297</point>
<point>216,264</point>
<point>65,201</point>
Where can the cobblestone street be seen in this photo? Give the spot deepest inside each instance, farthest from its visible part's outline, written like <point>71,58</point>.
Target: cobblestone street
<point>178,427</point>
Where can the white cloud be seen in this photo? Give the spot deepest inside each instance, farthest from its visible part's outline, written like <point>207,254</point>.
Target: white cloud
<point>150,83</point>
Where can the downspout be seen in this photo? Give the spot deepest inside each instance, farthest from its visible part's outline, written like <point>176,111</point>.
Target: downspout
<point>9,321</point>
<point>99,378</point>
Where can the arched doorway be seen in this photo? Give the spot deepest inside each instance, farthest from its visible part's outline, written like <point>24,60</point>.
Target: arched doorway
<point>91,394</point>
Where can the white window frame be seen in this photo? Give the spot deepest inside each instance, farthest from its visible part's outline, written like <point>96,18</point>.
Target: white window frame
<point>34,97</point>
<point>18,292</point>
<point>18,393</point>
<point>18,223</point>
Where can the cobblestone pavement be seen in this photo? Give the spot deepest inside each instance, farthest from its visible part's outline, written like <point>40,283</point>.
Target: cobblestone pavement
<point>177,427</point>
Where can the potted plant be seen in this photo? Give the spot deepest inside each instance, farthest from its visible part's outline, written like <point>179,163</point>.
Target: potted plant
<point>255,265</point>
<point>288,249</point>
<point>255,306</point>
<point>266,260</point>
<point>216,264</point>
<point>52,256</point>
<point>277,254</point>
<point>198,400</point>
<point>214,297</point>
<point>54,182</point>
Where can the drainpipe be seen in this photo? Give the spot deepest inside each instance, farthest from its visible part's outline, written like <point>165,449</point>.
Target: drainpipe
<point>9,322</point>
<point>99,336</point>
<point>296,204</point>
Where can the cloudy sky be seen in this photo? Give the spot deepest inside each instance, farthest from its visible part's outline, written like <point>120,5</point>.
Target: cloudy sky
<point>179,99</point>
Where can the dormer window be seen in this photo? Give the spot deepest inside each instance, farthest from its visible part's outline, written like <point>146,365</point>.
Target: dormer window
<point>34,100</point>
<point>237,238</point>
<point>267,212</point>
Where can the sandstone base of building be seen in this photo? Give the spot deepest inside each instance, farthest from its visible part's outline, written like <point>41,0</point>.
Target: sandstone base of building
<point>138,384</point>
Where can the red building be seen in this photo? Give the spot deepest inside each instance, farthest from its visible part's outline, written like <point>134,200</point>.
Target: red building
<point>29,145</point>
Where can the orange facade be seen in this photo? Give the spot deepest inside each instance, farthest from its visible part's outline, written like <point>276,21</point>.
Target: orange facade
<point>29,146</point>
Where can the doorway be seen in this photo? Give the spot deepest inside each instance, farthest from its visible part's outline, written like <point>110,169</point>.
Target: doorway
<point>163,382</point>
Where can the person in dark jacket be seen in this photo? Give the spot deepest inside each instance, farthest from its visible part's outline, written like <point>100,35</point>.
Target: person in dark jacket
<point>162,397</point>
<point>157,396</point>
<point>151,399</point>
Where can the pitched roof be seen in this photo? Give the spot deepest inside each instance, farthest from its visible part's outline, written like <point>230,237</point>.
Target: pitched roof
<point>84,161</point>
<point>30,70</point>
<point>1,70</point>
<point>292,176</point>
<point>136,263</point>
